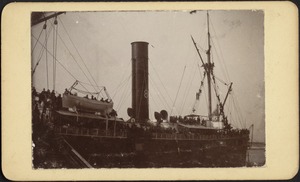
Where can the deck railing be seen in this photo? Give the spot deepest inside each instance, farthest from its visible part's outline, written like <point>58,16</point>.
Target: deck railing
<point>90,132</point>
<point>157,136</point>
<point>177,136</point>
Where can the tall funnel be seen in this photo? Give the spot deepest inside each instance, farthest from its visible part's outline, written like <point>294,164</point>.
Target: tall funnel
<point>140,92</point>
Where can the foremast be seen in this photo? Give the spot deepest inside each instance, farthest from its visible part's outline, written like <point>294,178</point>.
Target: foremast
<point>209,68</point>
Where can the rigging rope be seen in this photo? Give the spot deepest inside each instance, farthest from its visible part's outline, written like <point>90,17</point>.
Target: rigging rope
<point>160,93</point>
<point>54,56</point>
<point>195,107</point>
<point>240,112</point>
<point>37,41</point>
<point>46,42</point>
<point>160,97</point>
<point>77,64</point>
<point>189,84</point>
<point>236,109</point>
<point>123,95</point>
<point>42,50</point>
<point>75,60</point>
<point>73,87</point>
<point>77,51</point>
<point>121,85</point>
<point>204,74</point>
<point>160,81</point>
<point>238,116</point>
<point>91,85</point>
<point>54,51</point>
<point>122,80</point>
<point>152,98</point>
<point>215,84</point>
<point>222,62</point>
<point>224,65</point>
<point>85,92</point>
<point>221,81</point>
<point>39,59</point>
<point>215,87</point>
<point>53,64</point>
<point>124,100</point>
<point>187,90</point>
<point>56,59</point>
<point>178,90</point>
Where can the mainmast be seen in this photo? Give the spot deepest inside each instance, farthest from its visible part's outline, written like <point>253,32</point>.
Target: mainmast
<point>209,68</point>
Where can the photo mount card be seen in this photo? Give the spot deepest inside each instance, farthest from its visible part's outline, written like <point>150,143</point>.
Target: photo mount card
<point>144,91</point>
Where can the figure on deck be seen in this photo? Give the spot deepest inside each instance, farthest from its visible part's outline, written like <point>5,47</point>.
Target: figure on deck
<point>66,91</point>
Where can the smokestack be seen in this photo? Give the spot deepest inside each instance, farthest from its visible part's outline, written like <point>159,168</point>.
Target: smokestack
<point>140,92</point>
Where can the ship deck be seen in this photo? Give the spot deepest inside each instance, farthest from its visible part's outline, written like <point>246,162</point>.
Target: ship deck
<point>84,132</point>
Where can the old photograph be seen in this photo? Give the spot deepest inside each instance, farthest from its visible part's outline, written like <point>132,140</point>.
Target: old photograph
<point>148,89</point>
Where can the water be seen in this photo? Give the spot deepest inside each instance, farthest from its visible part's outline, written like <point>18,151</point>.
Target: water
<point>256,155</point>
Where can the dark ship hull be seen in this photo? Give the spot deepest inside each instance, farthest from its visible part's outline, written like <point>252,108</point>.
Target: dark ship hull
<point>163,152</point>
<point>123,145</point>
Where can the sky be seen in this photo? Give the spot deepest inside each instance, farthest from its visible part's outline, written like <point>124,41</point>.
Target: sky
<point>103,41</point>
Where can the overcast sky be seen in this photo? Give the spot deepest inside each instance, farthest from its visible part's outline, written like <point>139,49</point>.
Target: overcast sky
<point>103,40</point>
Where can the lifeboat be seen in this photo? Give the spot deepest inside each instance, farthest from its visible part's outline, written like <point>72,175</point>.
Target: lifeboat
<point>77,103</point>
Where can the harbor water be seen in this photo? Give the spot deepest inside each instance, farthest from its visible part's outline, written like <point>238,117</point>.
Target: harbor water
<point>256,155</point>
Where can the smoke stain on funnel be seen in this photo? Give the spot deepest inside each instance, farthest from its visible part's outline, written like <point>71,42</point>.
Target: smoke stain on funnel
<point>140,86</point>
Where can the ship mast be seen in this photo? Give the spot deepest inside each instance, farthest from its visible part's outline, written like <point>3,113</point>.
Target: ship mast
<point>209,67</point>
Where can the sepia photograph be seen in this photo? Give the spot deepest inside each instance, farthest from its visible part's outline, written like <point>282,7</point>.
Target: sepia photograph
<point>148,89</point>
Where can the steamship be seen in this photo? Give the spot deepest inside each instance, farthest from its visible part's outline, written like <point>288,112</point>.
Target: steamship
<point>101,139</point>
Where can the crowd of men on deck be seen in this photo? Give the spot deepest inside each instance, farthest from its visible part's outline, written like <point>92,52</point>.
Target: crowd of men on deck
<point>187,120</point>
<point>43,103</point>
<point>142,130</point>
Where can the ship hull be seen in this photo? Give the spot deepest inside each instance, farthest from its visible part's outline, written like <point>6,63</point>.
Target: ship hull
<point>114,143</point>
<point>142,152</point>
